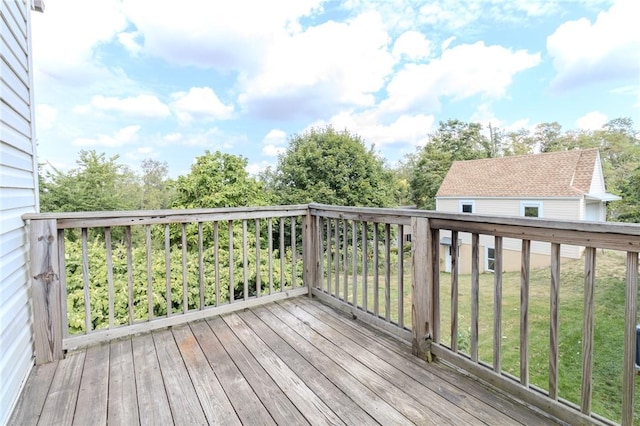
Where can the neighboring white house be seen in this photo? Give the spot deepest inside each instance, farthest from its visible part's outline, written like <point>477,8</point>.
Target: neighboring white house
<point>566,185</point>
<point>18,195</point>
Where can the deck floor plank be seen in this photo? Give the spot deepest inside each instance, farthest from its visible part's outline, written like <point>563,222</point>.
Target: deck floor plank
<point>470,391</point>
<point>94,388</point>
<point>409,407</point>
<point>246,403</point>
<point>302,357</point>
<point>314,402</point>
<point>214,401</point>
<point>296,361</point>
<point>264,385</point>
<point>184,402</point>
<point>123,401</point>
<point>29,407</point>
<point>60,405</point>
<point>153,404</point>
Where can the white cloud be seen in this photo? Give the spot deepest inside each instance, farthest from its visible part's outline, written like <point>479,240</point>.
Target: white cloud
<point>461,72</point>
<point>141,106</point>
<point>314,72</point>
<point>199,103</point>
<point>122,137</point>
<point>273,143</point>
<point>130,42</point>
<point>219,34</point>
<point>173,137</point>
<point>585,53</point>
<point>65,36</point>
<point>413,45</point>
<point>593,120</point>
<point>45,116</point>
<point>405,129</point>
<point>256,168</point>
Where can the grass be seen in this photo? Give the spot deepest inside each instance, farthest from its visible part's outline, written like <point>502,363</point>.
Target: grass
<point>609,324</point>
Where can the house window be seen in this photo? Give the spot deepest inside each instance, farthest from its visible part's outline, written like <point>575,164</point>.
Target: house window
<point>467,206</point>
<point>531,208</point>
<point>490,261</point>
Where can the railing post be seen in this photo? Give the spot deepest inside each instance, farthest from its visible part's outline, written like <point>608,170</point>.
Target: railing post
<point>311,256</point>
<point>45,290</point>
<point>422,259</point>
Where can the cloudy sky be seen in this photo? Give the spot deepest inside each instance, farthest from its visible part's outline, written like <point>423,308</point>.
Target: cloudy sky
<point>168,80</point>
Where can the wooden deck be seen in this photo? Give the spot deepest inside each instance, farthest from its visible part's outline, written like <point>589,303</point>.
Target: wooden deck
<point>291,362</point>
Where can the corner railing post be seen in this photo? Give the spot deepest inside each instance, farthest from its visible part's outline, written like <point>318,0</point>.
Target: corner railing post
<point>45,290</point>
<point>422,292</point>
<point>311,255</point>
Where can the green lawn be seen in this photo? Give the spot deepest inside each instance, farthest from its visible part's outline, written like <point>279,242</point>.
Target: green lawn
<point>609,324</point>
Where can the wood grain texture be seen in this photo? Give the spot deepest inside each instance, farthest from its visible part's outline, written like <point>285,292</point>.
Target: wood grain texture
<point>630,315</point>
<point>231,262</point>
<point>435,284</point>
<point>245,262</point>
<point>45,290</point>
<point>455,252</point>
<point>153,406</point>
<point>294,253</point>
<point>525,268</point>
<point>376,269</point>
<point>62,267</point>
<point>184,402</point>
<point>419,286</point>
<point>387,272</point>
<point>60,405</point>
<point>270,252</point>
<point>148,248</point>
<point>345,262</point>
<point>281,253</point>
<point>109,255</point>
<point>497,305</point>
<point>94,388</point>
<point>185,282</point>
<point>258,265</point>
<point>86,282</point>
<point>167,270</point>
<point>365,267</point>
<point>123,401</point>
<point>34,394</point>
<point>475,294</point>
<point>588,329</point>
<point>129,248</point>
<point>216,259</point>
<point>354,262</point>
<point>554,322</point>
<point>400,276</point>
<point>214,402</point>
<point>200,266</point>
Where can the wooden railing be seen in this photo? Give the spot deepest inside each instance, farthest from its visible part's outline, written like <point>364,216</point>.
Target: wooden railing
<point>103,275</point>
<point>337,226</point>
<point>354,258</point>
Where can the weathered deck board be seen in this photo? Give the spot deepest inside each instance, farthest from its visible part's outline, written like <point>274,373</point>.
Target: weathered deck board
<point>293,362</point>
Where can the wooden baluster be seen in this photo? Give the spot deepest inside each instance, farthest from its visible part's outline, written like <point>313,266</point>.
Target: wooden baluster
<point>149,272</point>
<point>321,251</point>
<point>258,282</point>
<point>185,282</point>
<point>85,282</point>
<point>107,242</point>
<point>497,304</point>
<point>475,294</point>
<point>400,276</point>
<point>435,285</point>
<point>337,258</point>
<point>345,262</point>
<point>354,261</point>
<point>245,262</point>
<point>365,267</point>
<point>45,289</point>
<point>387,272</point>
<point>422,270</point>
<point>167,263</point>
<point>294,260</point>
<point>329,255</point>
<point>201,264</point>
<point>231,263</point>
<point>62,268</point>
<point>524,311</point>
<point>630,317</point>
<point>270,252</point>
<point>127,236</point>
<point>376,268</point>
<point>281,254</point>
<point>216,259</point>
<point>554,304</point>
<point>588,327</point>
<point>454,290</point>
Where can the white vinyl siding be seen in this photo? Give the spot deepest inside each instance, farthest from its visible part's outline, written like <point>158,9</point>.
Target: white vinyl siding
<point>18,195</point>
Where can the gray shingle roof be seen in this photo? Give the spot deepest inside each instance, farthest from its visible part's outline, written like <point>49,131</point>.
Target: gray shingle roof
<point>554,174</point>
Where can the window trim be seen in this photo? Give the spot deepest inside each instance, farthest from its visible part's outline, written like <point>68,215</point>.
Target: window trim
<point>525,204</point>
<point>465,202</point>
<point>486,259</point>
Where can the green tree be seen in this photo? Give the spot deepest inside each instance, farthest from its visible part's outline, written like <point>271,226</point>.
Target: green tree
<point>218,180</point>
<point>453,141</point>
<point>157,192</point>
<point>331,167</point>
<point>98,183</point>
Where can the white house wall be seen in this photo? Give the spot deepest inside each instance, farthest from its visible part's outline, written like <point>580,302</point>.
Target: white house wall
<point>18,195</point>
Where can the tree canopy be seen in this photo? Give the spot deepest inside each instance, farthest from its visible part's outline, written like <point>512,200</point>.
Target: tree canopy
<point>331,167</point>
<point>218,180</point>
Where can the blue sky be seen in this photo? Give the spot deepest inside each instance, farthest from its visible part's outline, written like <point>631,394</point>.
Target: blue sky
<point>168,80</point>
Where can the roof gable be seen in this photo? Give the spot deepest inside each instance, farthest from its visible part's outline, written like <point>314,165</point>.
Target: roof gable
<point>554,174</point>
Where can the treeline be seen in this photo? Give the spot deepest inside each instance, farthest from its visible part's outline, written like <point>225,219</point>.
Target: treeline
<point>336,167</point>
